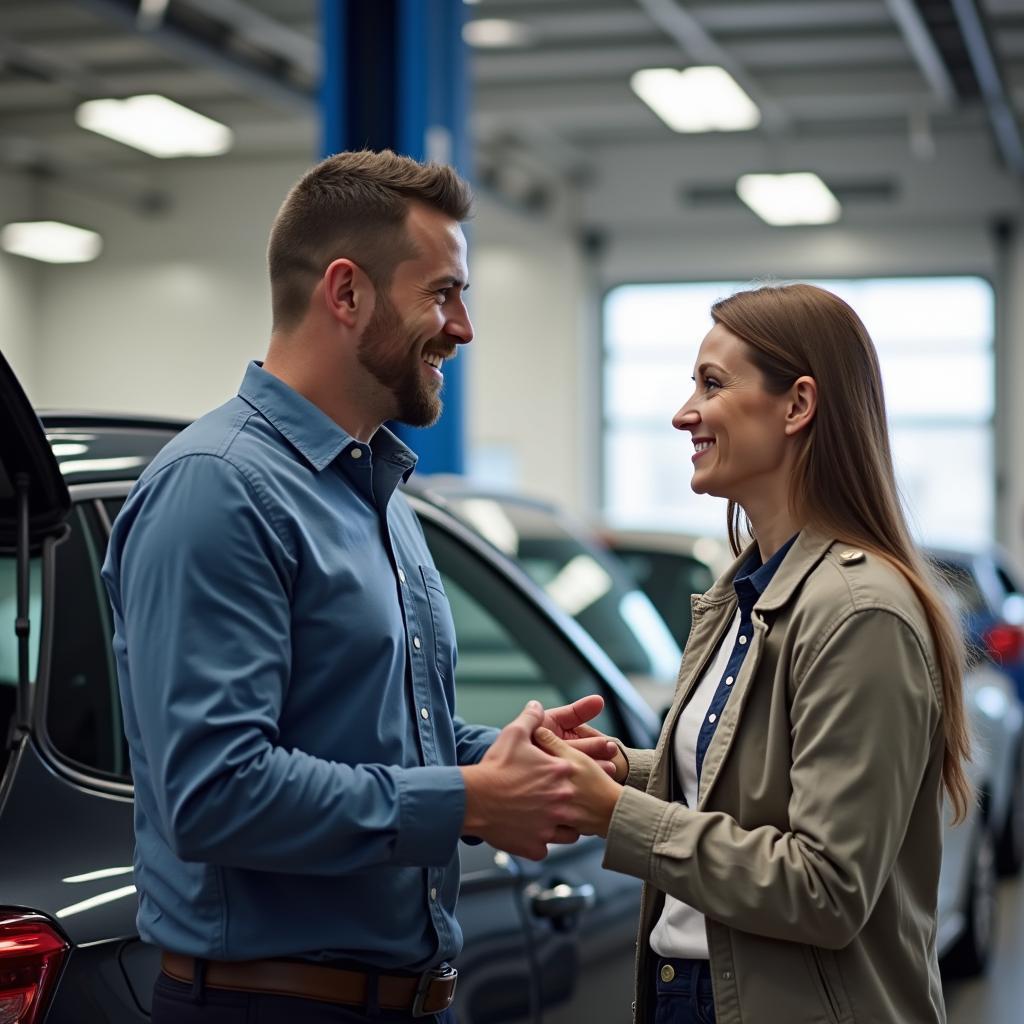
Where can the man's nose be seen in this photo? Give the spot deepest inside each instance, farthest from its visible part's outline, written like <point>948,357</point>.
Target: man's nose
<point>459,327</point>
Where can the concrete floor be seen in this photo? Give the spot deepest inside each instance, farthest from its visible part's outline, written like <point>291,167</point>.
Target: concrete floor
<point>998,997</point>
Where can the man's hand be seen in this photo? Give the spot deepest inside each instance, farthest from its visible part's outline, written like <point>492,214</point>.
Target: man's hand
<point>594,794</point>
<point>569,723</point>
<point>519,797</point>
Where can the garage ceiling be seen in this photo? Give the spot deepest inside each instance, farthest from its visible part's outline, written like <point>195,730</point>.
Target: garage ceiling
<point>891,99</point>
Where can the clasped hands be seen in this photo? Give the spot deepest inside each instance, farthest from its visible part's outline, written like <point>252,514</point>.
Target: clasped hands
<point>548,778</point>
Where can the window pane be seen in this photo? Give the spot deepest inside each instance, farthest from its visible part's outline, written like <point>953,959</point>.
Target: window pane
<point>83,710</point>
<point>508,652</point>
<point>9,641</point>
<point>935,343</point>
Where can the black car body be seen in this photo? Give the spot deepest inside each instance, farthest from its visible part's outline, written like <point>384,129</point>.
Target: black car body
<point>549,942</point>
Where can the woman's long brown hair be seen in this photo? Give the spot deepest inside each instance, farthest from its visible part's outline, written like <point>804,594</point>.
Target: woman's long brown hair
<point>843,482</point>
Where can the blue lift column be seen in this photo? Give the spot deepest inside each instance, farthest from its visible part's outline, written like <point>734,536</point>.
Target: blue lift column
<point>395,77</point>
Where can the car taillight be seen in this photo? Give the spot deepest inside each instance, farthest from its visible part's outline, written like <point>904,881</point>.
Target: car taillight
<point>32,953</point>
<point>1004,643</point>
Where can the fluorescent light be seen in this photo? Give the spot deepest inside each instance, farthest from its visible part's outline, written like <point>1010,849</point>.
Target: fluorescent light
<point>493,33</point>
<point>50,241</point>
<point>699,99</point>
<point>156,125</point>
<point>781,199</point>
<point>92,876</point>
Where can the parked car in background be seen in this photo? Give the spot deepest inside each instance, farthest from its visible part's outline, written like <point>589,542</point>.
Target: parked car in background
<point>564,558</point>
<point>988,583</point>
<point>547,943</point>
<point>668,568</point>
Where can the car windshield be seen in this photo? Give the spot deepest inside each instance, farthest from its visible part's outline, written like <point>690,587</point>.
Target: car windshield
<point>582,580</point>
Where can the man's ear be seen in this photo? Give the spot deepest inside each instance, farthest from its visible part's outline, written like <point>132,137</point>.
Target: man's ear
<point>347,293</point>
<point>803,404</point>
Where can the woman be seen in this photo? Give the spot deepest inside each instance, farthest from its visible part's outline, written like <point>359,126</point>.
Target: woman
<point>788,823</point>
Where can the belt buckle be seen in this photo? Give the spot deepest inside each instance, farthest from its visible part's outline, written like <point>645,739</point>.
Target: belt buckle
<point>443,973</point>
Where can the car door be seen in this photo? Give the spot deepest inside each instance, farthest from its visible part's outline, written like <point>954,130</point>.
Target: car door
<point>580,919</point>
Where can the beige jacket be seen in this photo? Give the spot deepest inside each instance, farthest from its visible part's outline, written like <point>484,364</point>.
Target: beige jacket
<point>814,849</point>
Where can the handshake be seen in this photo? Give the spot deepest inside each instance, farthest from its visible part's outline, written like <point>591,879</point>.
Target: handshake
<point>548,778</point>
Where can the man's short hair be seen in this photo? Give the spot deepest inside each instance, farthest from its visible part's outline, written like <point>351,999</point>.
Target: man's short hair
<point>353,206</point>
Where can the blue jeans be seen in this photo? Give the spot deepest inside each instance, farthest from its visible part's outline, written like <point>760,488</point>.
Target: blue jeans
<point>178,1002</point>
<point>684,991</point>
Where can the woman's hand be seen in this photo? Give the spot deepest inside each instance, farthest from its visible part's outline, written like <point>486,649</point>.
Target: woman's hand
<point>568,723</point>
<point>595,793</point>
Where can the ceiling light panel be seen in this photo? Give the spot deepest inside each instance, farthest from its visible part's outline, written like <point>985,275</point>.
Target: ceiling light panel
<point>495,33</point>
<point>50,241</point>
<point>156,125</point>
<point>786,199</point>
<point>699,99</point>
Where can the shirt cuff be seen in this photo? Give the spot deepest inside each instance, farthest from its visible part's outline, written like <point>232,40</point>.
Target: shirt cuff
<point>636,822</point>
<point>432,809</point>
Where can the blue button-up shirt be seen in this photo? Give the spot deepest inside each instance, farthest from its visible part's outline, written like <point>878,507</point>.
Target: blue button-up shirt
<point>750,583</point>
<point>286,656</point>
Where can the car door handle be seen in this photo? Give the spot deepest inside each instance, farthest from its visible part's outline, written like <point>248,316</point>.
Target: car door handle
<point>562,900</point>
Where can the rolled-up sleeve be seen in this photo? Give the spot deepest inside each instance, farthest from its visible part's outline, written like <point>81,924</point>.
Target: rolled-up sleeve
<point>207,575</point>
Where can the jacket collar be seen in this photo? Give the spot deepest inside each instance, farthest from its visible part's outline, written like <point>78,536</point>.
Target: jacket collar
<point>807,551</point>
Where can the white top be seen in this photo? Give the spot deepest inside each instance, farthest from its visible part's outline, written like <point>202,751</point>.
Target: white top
<point>680,930</point>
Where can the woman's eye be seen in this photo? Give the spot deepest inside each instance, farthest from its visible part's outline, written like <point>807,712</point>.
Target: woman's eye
<point>710,382</point>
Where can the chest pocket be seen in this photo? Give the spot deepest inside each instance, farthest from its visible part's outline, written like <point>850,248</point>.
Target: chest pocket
<point>443,624</point>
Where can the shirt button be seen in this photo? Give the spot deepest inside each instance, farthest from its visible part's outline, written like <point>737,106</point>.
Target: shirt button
<point>729,680</point>
<point>433,894</point>
<point>711,718</point>
<point>424,714</point>
<point>743,639</point>
<point>401,576</point>
<point>357,453</point>
<point>416,642</point>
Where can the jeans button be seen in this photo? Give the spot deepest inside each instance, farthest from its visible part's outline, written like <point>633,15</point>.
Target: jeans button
<point>668,972</point>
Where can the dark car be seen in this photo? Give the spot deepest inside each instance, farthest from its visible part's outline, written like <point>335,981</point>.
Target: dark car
<point>565,559</point>
<point>545,942</point>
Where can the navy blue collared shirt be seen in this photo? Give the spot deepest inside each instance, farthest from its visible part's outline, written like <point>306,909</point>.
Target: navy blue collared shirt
<point>750,583</point>
<point>286,655</point>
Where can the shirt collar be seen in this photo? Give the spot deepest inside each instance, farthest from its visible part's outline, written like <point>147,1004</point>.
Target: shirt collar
<point>753,577</point>
<point>309,430</point>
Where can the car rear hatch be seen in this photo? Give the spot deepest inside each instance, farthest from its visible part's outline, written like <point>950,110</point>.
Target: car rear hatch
<point>34,504</point>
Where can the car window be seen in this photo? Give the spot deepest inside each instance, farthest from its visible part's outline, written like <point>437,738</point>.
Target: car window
<point>9,641</point>
<point>669,580</point>
<point>83,711</point>
<point>509,651</point>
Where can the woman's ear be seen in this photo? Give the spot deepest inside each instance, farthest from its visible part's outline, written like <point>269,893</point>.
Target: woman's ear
<point>347,293</point>
<point>803,404</point>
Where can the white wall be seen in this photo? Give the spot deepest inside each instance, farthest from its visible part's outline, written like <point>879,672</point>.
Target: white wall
<point>18,287</point>
<point>166,319</point>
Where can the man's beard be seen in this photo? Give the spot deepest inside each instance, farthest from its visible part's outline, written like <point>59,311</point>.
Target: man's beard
<point>388,353</point>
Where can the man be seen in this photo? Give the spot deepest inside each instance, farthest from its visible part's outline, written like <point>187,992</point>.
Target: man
<point>301,783</point>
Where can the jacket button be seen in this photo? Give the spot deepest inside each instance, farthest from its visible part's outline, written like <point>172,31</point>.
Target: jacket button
<point>727,975</point>
<point>668,972</point>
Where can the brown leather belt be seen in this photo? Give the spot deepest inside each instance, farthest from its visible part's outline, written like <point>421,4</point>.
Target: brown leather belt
<point>419,995</point>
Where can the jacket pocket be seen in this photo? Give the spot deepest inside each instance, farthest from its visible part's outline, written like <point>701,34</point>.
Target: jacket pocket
<point>821,963</point>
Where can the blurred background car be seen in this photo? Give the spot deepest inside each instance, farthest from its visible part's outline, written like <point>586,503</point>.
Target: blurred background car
<point>563,557</point>
<point>546,943</point>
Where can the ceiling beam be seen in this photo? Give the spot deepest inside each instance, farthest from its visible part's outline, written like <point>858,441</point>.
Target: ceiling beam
<point>1002,116</point>
<point>270,75</point>
<point>921,44</point>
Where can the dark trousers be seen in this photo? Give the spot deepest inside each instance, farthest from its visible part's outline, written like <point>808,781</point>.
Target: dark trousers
<point>685,995</point>
<point>178,1002</point>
